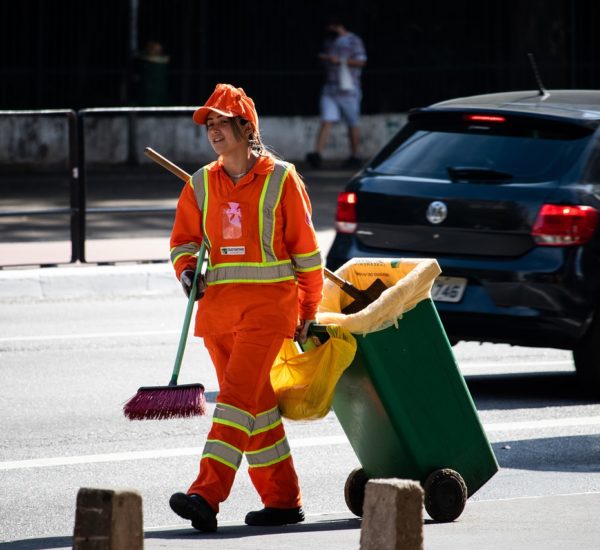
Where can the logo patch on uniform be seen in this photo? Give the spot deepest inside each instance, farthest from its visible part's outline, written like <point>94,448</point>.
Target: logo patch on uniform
<point>231,220</point>
<point>233,250</point>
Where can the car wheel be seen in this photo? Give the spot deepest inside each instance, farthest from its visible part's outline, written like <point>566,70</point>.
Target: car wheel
<point>586,357</point>
<point>354,491</point>
<point>445,495</point>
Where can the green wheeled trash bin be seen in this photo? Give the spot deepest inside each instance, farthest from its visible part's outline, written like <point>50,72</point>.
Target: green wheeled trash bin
<point>403,402</point>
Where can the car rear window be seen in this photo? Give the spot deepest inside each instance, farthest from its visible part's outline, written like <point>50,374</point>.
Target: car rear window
<point>523,149</point>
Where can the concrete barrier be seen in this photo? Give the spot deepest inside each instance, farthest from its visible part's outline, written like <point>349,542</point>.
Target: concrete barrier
<point>392,515</point>
<point>39,142</point>
<point>106,519</point>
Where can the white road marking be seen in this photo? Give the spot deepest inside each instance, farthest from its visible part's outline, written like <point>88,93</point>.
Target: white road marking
<point>490,428</point>
<point>141,455</point>
<point>508,364</point>
<point>572,422</point>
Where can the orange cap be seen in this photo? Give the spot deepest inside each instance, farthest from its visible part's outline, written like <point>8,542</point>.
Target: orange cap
<point>228,101</point>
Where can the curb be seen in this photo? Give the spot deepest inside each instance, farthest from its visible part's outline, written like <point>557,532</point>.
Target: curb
<point>85,281</point>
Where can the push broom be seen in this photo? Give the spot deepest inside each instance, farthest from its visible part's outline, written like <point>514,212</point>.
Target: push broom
<point>173,400</point>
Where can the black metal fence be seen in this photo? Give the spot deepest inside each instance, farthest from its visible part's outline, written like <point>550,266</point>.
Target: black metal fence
<point>61,205</point>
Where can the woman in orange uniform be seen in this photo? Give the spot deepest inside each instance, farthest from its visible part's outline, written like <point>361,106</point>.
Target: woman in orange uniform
<point>263,284</point>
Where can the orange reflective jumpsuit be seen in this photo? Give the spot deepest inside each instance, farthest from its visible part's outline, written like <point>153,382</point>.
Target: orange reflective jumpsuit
<point>264,273</point>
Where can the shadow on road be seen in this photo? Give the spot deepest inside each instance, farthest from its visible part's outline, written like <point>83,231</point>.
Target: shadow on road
<point>225,532</point>
<point>576,453</point>
<point>243,531</point>
<point>43,543</point>
<point>528,391</point>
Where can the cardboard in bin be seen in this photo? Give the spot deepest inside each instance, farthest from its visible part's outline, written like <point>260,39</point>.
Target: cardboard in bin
<point>409,281</point>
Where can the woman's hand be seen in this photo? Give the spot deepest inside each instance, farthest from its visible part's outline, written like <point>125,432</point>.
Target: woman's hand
<point>187,278</point>
<point>301,333</point>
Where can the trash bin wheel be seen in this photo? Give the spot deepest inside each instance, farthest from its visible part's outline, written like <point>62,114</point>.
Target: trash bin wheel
<point>445,495</point>
<point>354,491</point>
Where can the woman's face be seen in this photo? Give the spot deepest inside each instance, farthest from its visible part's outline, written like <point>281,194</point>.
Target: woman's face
<point>221,135</point>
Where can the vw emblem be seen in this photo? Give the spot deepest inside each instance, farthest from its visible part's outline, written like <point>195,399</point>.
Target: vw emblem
<point>436,212</point>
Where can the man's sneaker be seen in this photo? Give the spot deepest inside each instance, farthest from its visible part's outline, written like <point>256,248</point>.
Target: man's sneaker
<point>275,516</point>
<point>352,162</point>
<point>196,509</point>
<point>314,160</point>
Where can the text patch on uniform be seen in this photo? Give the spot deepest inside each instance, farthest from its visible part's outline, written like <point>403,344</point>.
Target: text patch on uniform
<point>233,250</point>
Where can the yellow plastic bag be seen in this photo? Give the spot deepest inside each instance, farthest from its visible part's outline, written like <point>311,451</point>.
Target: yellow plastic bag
<point>305,382</point>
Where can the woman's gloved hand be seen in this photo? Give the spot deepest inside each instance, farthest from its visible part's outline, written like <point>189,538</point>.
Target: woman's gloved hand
<point>301,333</point>
<point>187,278</point>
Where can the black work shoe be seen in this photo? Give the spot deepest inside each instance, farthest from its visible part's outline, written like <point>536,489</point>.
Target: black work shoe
<point>314,159</point>
<point>195,508</point>
<point>275,516</point>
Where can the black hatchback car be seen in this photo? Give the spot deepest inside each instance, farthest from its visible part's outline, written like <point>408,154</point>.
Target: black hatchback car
<point>504,191</point>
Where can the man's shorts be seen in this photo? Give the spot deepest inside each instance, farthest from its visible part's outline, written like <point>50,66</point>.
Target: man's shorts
<point>340,107</point>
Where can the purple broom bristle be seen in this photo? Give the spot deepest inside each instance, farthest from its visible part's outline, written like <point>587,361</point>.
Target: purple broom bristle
<point>166,402</point>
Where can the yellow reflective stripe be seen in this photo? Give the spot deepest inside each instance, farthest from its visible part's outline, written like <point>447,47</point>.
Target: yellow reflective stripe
<point>250,272</point>
<point>229,415</point>
<point>221,460</point>
<point>224,452</point>
<point>188,249</point>
<point>252,264</point>
<point>308,269</point>
<point>267,421</point>
<point>261,221</point>
<point>196,184</point>
<point>252,281</point>
<point>307,254</point>
<point>272,198</point>
<point>205,211</point>
<point>307,262</point>
<point>270,455</point>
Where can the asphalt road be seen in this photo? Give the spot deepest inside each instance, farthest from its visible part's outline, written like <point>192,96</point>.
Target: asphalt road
<point>67,367</point>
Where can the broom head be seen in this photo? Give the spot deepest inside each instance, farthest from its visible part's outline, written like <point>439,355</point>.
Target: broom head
<point>163,402</point>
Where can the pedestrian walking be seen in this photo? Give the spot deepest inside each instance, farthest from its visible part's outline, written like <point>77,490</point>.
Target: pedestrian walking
<point>343,58</point>
<point>263,284</point>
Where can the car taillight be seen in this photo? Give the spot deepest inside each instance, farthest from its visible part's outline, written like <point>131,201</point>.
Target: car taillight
<point>486,118</point>
<point>345,215</point>
<point>564,225</point>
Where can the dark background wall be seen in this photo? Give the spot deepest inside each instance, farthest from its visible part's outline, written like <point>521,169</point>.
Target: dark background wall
<point>75,53</point>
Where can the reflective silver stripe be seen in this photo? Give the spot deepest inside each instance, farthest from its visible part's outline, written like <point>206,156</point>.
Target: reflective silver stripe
<point>223,453</point>
<point>250,273</point>
<point>188,249</point>
<point>308,262</point>
<point>268,204</point>
<point>198,186</point>
<point>269,455</point>
<point>266,421</point>
<point>234,417</point>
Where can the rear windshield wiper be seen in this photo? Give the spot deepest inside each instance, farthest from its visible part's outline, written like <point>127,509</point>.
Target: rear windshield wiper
<point>473,173</point>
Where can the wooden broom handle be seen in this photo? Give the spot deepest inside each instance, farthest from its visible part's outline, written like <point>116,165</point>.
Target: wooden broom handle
<point>166,163</point>
<point>183,175</point>
<point>334,278</point>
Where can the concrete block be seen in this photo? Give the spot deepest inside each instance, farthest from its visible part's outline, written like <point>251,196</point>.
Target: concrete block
<point>392,515</point>
<point>108,519</point>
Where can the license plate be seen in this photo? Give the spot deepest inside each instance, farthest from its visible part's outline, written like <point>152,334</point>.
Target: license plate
<point>448,289</point>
